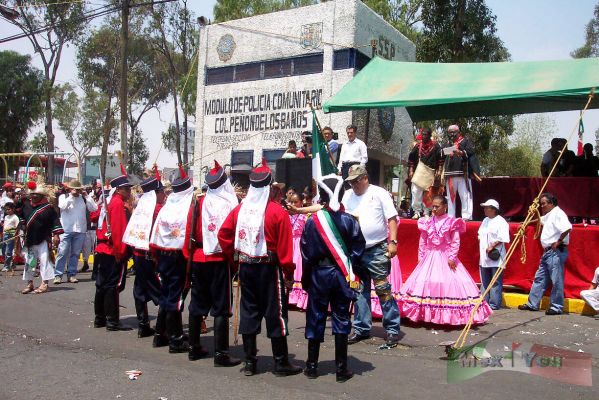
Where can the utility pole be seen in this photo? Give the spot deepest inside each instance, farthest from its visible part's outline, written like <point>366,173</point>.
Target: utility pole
<point>123,87</point>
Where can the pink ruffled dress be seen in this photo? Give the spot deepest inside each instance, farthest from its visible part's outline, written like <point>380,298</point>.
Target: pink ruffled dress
<point>298,296</point>
<point>434,292</point>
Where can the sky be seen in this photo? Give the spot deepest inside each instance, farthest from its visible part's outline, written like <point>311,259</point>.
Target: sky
<point>532,30</point>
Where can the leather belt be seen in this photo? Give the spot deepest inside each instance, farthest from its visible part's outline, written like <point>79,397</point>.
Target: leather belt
<point>271,258</point>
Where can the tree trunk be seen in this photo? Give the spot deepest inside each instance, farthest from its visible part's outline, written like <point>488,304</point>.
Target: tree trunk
<point>49,135</point>
<point>458,36</point>
<point>123,86</point>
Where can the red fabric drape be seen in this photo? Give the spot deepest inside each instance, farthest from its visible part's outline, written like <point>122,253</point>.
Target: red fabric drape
<point>582,260</point>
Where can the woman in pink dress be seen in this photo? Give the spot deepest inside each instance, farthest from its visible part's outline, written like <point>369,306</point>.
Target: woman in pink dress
<point>440,290</point>
<point>298,296</point>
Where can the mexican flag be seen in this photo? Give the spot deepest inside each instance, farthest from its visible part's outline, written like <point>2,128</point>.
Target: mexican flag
<point>580,132</point>
<point>321,159</point>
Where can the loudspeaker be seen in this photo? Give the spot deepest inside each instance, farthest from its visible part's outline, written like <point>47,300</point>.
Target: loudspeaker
<point>295,172</point>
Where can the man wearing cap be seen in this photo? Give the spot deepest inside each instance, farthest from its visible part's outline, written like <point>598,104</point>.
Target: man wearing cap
<point>74,210</point>
<point>210,271</point>
<point>457,172</point>
<point>258,232</point>
<point>112,255</point>
<point>493,235</point>
<point>166,242</point>
<point>376,213</point>
<point>353,152</point>
<point>41,225</point>
<point>331,245</point>
<point>555,238</point>
<point>146,286</point>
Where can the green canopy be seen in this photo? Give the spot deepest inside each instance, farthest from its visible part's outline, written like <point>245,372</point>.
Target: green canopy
<point>435,91</point>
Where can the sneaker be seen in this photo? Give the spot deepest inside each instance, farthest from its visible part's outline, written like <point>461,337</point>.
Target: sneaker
<point>5,269</point>
<point>57,280</point>
<point>72,279</point>
<point>526,307</point>
<point>551,311</point>
<point>392,340</point>
<point>355,338</point>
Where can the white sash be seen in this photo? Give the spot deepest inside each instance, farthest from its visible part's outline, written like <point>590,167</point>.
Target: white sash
<point>103,209</point>
<point>249,232</point>
<point>217,205</point>
<point>138,229</point>
<point>169,229</point>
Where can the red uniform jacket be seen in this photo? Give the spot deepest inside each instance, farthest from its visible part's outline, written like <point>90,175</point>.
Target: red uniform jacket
<point>140,252</point>
<point>277,232</point>
<point>117,213</point>
<point>198,252</point>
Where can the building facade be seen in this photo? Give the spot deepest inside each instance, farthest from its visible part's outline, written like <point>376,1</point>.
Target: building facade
<point>258,76</point>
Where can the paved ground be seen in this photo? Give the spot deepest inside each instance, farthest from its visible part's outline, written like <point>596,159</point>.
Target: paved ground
<point>49,350</point>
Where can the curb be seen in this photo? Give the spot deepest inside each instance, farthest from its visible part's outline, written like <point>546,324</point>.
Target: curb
<point>572,306</point>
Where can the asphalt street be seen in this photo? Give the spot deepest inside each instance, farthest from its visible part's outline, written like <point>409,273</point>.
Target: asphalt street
<point>50,350</point>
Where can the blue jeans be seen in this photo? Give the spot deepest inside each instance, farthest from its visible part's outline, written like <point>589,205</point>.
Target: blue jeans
<point>7,250</point>
<point>494,296</point>
<point>375,265</point>
<point>69,249</point>
<point>551,268</point>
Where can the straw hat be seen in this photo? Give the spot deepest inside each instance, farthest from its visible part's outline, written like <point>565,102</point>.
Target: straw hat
<point>74,184</point>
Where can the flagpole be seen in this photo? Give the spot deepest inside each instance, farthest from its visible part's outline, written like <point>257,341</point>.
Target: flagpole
<point>320,132</point>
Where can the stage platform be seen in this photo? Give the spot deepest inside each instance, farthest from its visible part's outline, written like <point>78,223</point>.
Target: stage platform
<point>582,260</point>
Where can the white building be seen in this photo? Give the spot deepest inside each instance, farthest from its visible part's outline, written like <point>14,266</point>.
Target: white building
<point>257,75</point>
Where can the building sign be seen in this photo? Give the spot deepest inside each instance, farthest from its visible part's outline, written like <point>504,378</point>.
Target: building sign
<point>276,117</point>
<point>226,47</point>
<point>385,48</point>
<point>311,37</point>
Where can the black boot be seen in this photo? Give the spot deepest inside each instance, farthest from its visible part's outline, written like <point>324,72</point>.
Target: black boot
<point>111,306</point>
<point>312,362</point>
<point>221,344</point>
<point>143,322</point>
<point>95,267</point>
<point>174,327</point>
<point>250,348</point>
<point>196,351</point>
<point>85,267</point>
<point>160,336</point>
<point>343,374</point>
<point>281,355</point>
<point>100,319</point>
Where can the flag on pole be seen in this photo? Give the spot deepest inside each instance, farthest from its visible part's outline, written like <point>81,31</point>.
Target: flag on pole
<point>580,132</point>
<point>321,159</point>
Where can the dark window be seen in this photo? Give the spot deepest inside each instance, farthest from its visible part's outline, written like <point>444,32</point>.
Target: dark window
<point>277,68</point>
<point>242,157</point>
<point>215,76</point>
<point>247,72</point>
<point>308,64</point>
<point>271,157</point>
<point>349,58</point>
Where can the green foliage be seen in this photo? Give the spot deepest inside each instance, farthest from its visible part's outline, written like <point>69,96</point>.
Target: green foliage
<point>404,15</point>
<point>38,143</point>
<point>20,100</point>
<point>138,153</point>
<point>590,48</point>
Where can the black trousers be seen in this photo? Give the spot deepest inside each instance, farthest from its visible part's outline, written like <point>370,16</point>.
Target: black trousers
<point>171,267</point>
<point>146,286</point>
<point>111,273</point>
<point>210,289</point>
<point>263,295</point>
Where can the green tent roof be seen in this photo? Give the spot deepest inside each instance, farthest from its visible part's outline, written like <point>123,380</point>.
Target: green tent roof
<point>435,91</point>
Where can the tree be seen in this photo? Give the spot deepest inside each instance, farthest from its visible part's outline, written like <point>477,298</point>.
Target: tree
<point>226,10</point>
<point>590,48</point>
<point>138,152</point>
<point>20,100</point>
<point>404,15</point>
<point>521,154</point>
<point>464,31</point>
<point>81,119</point>
<point>62,22</point>
<point>38,143</point>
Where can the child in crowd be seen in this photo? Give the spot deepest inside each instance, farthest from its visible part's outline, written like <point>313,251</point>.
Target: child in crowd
<point>11,221</point>
<point>298,296</point>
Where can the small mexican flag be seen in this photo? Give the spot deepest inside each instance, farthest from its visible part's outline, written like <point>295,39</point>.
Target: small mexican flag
<point>580,132</point>
<point>321,159</point>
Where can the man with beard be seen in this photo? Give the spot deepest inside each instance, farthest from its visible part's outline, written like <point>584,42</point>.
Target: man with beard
<point>423,163</point>
<point>210,271</point>
<point>258,232</point>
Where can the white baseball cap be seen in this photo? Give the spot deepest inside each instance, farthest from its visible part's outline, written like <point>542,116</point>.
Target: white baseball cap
<point>490,203</point>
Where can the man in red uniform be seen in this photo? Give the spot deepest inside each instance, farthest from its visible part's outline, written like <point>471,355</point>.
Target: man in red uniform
<point>258,232</point>
<point>210,272</point>
<point>146,286</point>
<point>112,256</point>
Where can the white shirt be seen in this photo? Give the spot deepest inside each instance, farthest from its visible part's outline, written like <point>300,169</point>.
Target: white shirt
<point>373,210</point>
<point>10,222</point>
<point>596,277</point>
<point>72,212</point>
<point>355,151</point>
<point>493,230</point>
<point>555,222</point>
